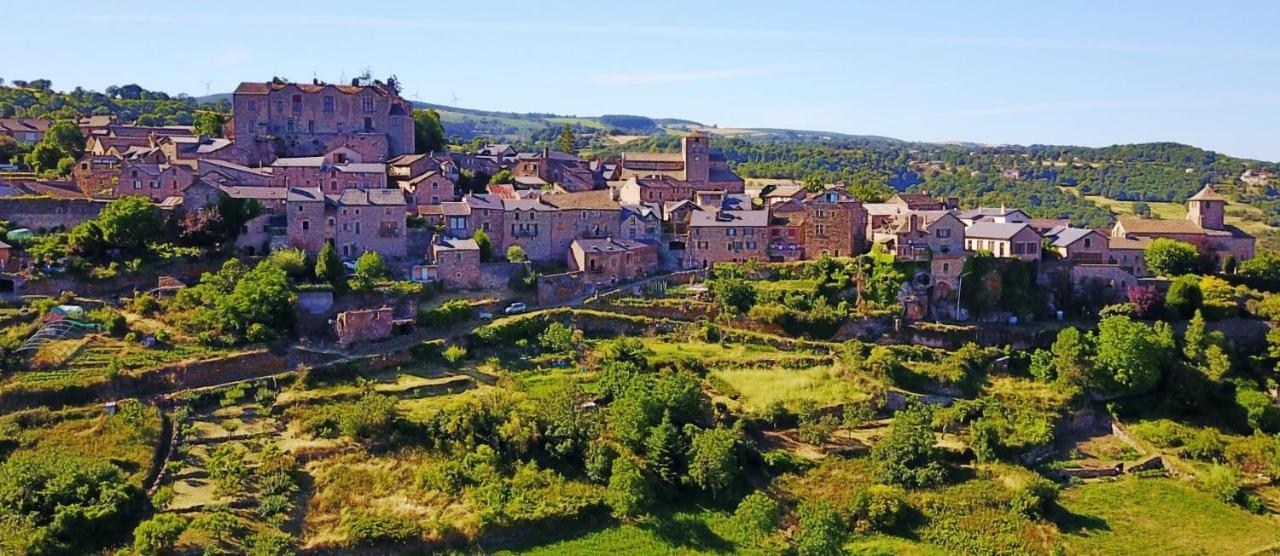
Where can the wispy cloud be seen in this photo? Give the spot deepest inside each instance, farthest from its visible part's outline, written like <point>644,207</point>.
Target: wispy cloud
<point>711,74</point>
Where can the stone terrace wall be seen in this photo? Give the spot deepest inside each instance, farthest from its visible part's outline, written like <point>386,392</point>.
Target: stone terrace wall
<point>193,374</point>
<point>43,213</point>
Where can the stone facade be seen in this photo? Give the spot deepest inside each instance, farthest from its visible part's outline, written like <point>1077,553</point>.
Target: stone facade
<point>457,263</point>
<point>334,172</point>
<point>363,325</point>
<point>610,260</point>
<point>726,236</point>
<point>835,224</point>
<point>1004,240</point>
<point>154,181</point>
<point>290,119</point>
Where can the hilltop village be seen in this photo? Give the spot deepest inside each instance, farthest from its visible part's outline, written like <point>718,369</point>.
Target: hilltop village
<point>336,164</point>
<point>311,323</point>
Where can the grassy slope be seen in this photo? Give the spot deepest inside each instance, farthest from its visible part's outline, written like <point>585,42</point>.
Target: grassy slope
<point>1237,213</point>
<point>761,387</point>
<point>1155,516</point>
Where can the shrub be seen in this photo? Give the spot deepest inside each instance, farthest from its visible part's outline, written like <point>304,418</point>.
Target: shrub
<point>1183,297</point>
<point>271,543</point>
<point>906,455</point>
<point>1035,498</point>
<point>113,323</point>
<point>145,305</point>
<point>1222,481</point>
<point>364,528</point>
<point>1260,410</point>
<point>1206,445</point>
<point>628,494</point>
<point>821,532</point>
<point>454,354</point>
<point>292,261</point>
<point>756,516</point>
<point>1169,257</point>
<point>446,313</point>
<point>877,508</point>
<point>159,534</point>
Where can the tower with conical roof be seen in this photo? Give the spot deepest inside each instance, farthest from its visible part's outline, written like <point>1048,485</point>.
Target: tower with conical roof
<point>1207,209</point>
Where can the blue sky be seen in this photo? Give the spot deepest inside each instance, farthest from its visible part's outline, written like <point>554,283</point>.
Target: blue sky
<point>1086,73</point>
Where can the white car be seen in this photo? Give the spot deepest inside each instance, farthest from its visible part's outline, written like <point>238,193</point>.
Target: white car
<point>349,265</point>
<point>515,308</point>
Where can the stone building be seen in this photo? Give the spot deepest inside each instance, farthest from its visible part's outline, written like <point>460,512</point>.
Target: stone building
<point>333,172</point>
<point>426,179</point>
<point>155,181</point>
<point>1004,240</point>
<point>835,224</point>
<point>1204,227</point>
<point>1079,245</point>
<point>362,325</point>
<point>455,263</point>
<point>370,220</point>
<point>565,170</point>
<point>922,235</point>
<point>298,119</point>
<point>609,260</point>
<point>726,236</point>
<point>24,130</point>
<point>694,164</point>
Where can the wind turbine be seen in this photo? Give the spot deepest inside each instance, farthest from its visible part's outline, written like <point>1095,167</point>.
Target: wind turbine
<point>206,87</point>
<point>455,99</point>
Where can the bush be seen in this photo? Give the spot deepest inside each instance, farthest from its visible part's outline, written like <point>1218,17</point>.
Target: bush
<point>756,516</point>
<point>271,543</point>
<point>1206,445</point>
<point>906,455</point>
<point>1169,257</point>
<point>878,508</point>
<point>446,313</point>
<point>292,261</point>
<point>1183,297</point>
<point>454,354</point>
<point>821,532</point>
<point>159,534</point>
<point>365,528</point>
<point>1223,482</point>
<point>145,305</point>
<point>113,323</point>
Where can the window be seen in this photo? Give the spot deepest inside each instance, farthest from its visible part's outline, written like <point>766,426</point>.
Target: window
<point>731,232</point>
<point>1088,242</point>
<point>280,106</point>
<point>306,224</point>
<point>457,222</point>
<point>368,106</point>
<point>942,233</point>
<point>289,125</point>
<point>137,184</point>
<point>299,208</point>
<point>368,125</point>
<point>297,104</point>
<point>253,105</point>
<point>328,104</point>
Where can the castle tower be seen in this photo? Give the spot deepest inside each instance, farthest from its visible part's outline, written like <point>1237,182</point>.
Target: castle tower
<point>1207,209</point>
<point>697,157</point>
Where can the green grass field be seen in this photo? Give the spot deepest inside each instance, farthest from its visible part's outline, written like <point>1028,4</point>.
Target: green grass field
<point>1159,516</point>
<point>683,532</point>
<point>760,387</point>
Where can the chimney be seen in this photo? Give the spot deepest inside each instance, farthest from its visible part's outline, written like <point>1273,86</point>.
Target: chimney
<point>913,223</point>
<point>953,203</point>
<point>546,151</point>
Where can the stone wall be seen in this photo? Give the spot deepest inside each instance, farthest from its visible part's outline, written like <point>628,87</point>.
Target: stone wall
<point>315,303</point>
<point>558,288</point>
<point>44,214</point>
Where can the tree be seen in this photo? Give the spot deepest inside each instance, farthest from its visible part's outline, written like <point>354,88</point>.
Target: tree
<point>566,140</point>
<point>628,494</point>
<point>663,449</point>
<point>485,244</point>
<point>502,176</point>
<point>822,532</point>
<point>236,212</point>
<point>64,504</point>
<point>209,124</point>
<point>713,460</point>
<point>907,454</point>
<point>557,338</point>
<point>1184,296</point>
<point>756,516</point>
<point>328,265</point>
<point>1262,272</point>
<point>370,269</point>
<point>86,240</point>
<point>1145,300</point>
<point>1129,357</point>
<point>130,223</point>
<point>428,132</point>
<point>43,157</point>
<point>1170,257</point>
<point>8,149</point>
<point>65,136</point>
<point>516,254</point>
<point>1072,356</point>
<point>1194,340</point>
<point>202,228</point>
<point>733,294</point>
<point>158,535</point>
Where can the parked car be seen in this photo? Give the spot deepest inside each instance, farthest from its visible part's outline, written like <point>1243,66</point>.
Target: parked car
<point>485,315</point>
<point>515,308</point>
<point>349,265</point>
